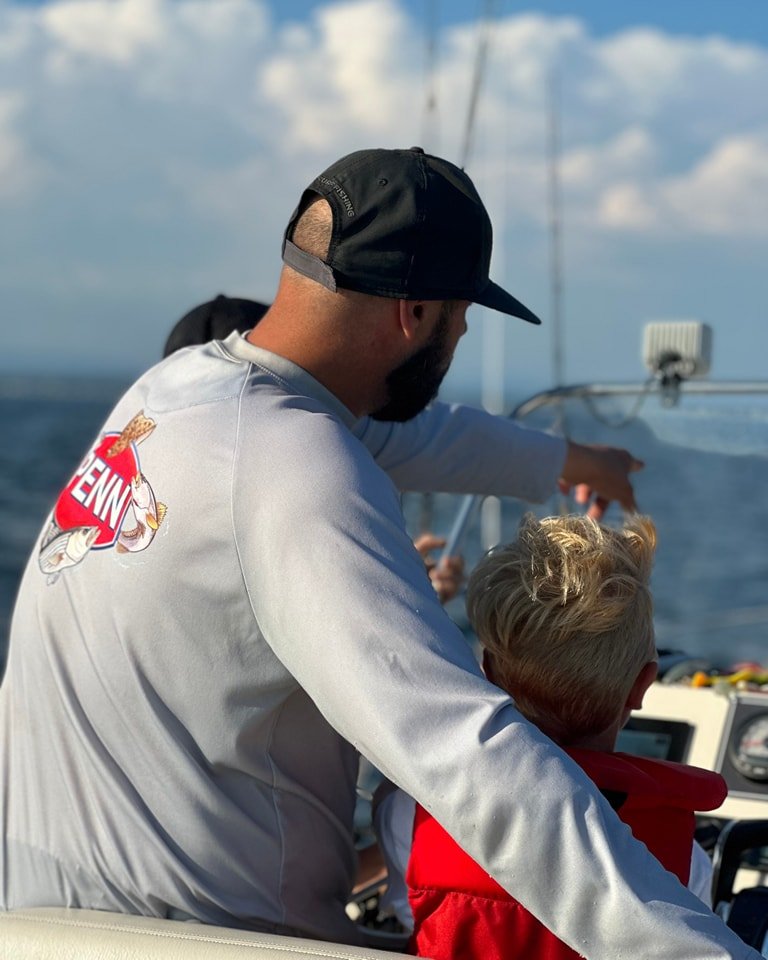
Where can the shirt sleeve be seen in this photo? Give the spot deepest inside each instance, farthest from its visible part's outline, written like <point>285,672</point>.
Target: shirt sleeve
<point>393,822</point>
<point>344,600</point>
<point>459,449</point>
<point>700,879</point>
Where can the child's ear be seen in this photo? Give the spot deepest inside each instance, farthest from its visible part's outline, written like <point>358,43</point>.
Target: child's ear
<point>643,680</point>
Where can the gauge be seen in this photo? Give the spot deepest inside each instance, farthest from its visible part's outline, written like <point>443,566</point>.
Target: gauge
<point>749,748</point>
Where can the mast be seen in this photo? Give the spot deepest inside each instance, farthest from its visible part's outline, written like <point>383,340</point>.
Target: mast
<point>556,260</point>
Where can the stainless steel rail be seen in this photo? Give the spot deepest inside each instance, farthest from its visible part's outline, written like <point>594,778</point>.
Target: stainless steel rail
<point>669,391</point>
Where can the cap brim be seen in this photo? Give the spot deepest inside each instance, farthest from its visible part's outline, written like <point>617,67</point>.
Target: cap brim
<point>497,299</point>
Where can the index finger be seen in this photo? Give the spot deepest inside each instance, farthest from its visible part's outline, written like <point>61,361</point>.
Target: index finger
<point>428,541</point>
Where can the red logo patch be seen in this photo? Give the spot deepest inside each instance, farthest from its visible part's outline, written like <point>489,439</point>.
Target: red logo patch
<point>99,494</point>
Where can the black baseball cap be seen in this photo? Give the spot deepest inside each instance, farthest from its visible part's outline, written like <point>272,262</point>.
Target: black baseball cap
<point>405,225</point>
<point>214,320</point>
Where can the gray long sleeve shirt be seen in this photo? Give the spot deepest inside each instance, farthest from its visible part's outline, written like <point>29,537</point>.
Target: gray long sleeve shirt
<point>224,609</point>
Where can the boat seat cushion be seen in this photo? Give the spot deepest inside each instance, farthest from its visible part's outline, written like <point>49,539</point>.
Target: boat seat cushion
<point>48,933</point>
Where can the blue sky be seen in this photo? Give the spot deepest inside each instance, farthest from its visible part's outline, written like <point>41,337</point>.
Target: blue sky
<point>738,19</point>
<point>152,150</point>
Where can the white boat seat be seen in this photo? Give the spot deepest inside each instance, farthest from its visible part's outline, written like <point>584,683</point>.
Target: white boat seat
<point>52,933</point>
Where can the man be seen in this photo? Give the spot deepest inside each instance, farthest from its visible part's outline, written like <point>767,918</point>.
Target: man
<point>440,437</point>
<point>215,320</point>
<point>226,607</point>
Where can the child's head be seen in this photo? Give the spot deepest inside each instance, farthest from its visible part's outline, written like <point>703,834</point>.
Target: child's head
<point>564,615</point>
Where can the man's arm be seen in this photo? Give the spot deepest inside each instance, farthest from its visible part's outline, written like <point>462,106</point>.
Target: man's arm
<point>459,449</point>
<point>343,598</point>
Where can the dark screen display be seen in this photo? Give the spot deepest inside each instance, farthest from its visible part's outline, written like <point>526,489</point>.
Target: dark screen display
<point>655,739</point>
<point>644,743</point>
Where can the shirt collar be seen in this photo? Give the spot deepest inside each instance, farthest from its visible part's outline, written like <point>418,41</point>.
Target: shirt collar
<point>300,381</point>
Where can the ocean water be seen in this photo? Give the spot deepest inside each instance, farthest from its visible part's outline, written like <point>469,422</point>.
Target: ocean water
<point>704,484</point>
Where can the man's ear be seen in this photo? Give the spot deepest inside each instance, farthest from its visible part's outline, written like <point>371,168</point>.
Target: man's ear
<point>411,315</point>
<point>643,680</point>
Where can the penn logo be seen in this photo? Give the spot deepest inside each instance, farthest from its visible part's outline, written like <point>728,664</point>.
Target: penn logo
<point>108,501</point>
<point>99,494</point>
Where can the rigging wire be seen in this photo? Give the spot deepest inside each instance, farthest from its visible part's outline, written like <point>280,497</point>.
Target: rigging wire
<point>493,332</point>
<point>627,418</point>
<point>478,75</point>
<point>430,127</point>
<point>555,230</point>
<point>430,136</point>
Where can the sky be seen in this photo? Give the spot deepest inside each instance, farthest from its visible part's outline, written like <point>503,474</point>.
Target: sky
<point>151,152</point>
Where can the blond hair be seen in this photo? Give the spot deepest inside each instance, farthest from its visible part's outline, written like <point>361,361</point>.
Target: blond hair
<point>565,616</point>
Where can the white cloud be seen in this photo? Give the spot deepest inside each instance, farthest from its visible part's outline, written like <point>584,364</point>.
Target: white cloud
<point>140,133</point>
<point>650,71</point>
<point>623,205</point>
<point>630,152</point>
<point>726,193</point>
<point>345,77</point>
<point>195,86</point>
<point>114,32</point>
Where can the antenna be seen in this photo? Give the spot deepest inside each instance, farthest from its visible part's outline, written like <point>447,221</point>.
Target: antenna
<point>676,350</point>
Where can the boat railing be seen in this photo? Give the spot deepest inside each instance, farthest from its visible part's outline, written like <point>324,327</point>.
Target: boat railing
<point>670,390</point>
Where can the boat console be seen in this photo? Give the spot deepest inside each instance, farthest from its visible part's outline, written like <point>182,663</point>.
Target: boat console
<point>721,727</point>
<point>716,727</point>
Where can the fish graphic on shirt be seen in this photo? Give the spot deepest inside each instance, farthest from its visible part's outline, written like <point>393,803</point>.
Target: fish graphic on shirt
<point>137,429</point>
<point>108,502</point>
<point>148,515</point>
<point>64,548</point>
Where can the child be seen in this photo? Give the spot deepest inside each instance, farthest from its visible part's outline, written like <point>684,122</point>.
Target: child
<point>564,617</point>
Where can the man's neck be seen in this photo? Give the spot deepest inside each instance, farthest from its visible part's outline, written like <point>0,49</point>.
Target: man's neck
<point>341,339</point>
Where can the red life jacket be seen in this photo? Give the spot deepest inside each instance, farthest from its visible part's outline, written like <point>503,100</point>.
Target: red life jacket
<point>461,913</point>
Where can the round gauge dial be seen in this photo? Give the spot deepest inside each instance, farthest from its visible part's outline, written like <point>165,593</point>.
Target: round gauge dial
<point>749,748</point>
